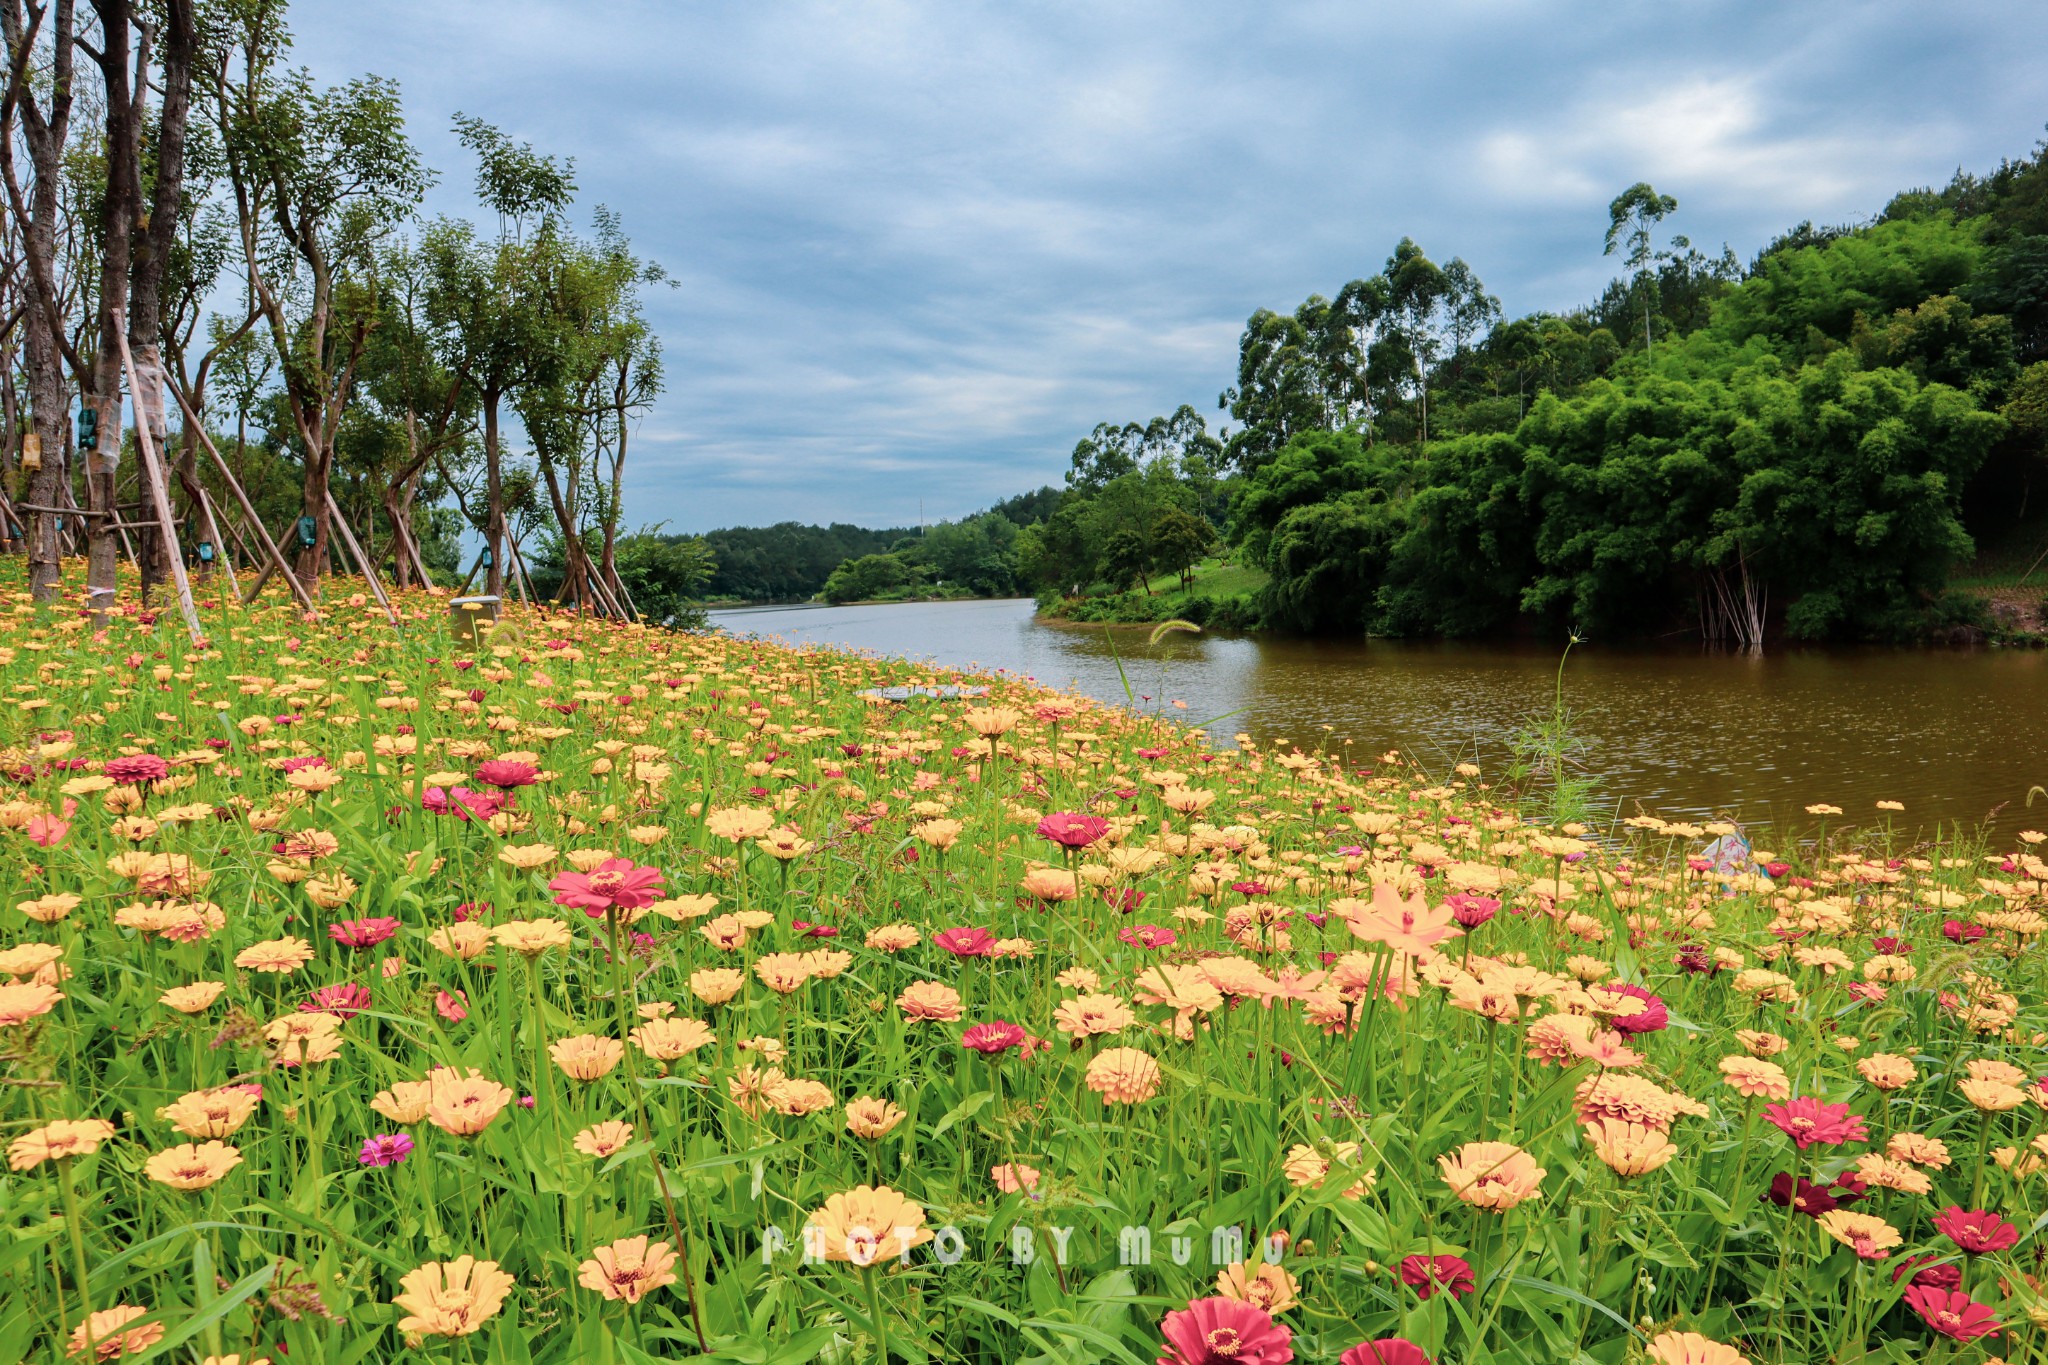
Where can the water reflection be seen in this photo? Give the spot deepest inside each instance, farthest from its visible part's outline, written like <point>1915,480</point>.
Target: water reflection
<point>1953,735</point>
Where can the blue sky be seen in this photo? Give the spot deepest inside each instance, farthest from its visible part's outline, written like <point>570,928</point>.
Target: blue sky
<point>923,247</point>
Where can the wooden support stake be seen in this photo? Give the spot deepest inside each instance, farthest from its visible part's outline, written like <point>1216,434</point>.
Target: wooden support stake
<point>220,549</point>
<point>234,484</point>
<point>348,538</point>
<point>154,476</point>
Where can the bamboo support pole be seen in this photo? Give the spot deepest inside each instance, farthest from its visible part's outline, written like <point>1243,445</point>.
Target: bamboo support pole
<point>153,475</point>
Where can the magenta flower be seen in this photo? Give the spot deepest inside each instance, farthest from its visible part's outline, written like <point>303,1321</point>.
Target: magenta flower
<point>1148,936</point>
<point>507,773</point>
<point>1951,1312</point>
<point>1808,1122</point>
<point>137,768</point>
<point>1385,1351</point>
<point>1070,830</point>
<point>991,1038</point>
<point>362,933</point>
<point>965,942</point>
<point>1974,1230</point>
<point>1652,1017</point>
<point>618,883</point>
<point>462,803</point>
<point>1220,1331</point>
<point>1472,911</point>
<point>344,1001</point>
<point>385,1149</point>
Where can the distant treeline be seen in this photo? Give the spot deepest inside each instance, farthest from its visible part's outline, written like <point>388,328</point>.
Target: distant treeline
<point>1809,443</point>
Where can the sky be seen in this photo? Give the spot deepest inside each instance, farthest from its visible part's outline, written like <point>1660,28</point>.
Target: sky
<point>921,247</point>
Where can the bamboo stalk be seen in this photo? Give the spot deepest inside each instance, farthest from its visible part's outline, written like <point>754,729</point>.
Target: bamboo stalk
<point>255,522</point>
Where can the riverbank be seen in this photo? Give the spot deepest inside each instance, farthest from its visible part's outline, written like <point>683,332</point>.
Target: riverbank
<point>1218,595</point>
<point>527,944</point>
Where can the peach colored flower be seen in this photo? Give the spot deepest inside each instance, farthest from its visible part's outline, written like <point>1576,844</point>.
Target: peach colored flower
<point>1123,1075</point>
<point>629,1269</point>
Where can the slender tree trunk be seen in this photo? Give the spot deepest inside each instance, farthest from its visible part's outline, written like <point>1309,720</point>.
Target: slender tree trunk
<point>494,498</point>
<point>45,130</point>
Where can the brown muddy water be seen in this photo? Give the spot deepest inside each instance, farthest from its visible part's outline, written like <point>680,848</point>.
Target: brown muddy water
<point>1955,735</point>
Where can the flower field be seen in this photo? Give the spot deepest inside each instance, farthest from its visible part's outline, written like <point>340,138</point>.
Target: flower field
<point>601,994</point>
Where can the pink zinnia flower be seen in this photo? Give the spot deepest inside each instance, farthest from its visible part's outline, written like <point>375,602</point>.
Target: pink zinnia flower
<point>137,768</point>
<point>1472,911</point>
<point>1385,1351</point>
<point>344,1001</point>
<point>1952,1313</point>
<point>47,830</point>
<point>362,933</point>
<point>617,883</point>
<point>1429,1275</point>
<point>454,1008</point>
<point>1220,1331</point>
<point>1070,830</point>
<point>1148,936</point>
<point>997,1036</point>
<point>507,774</point>
<point>1652,1017</point>
<point>385,1149</point>
<point>965,942</point>
<point>1974,1230</point>
<point>462,803</point>
<point>1808,1122</point>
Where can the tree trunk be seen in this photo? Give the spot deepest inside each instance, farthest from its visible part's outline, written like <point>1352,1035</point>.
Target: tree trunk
<point>46,132</point>
<point>494,498</point>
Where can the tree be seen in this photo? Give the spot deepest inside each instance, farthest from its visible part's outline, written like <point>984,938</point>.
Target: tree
<point>320,178</point>
<point>1179,541</point>
<point>1127,557</point>
<point>1632,216</point>
<point>1418,291</point>
<point>43,107</point>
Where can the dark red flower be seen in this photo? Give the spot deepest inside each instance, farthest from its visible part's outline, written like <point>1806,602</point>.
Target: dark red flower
<point>1071,830</point>
<point>1958,932</point>
<point>1975,1230</point>
<point>1810,1123</point>
<point>1429,1275</point>
<point>1928,1274</point>
<point>1808,1198</point>
<point>1951,1312</point>
<point>965,942</point>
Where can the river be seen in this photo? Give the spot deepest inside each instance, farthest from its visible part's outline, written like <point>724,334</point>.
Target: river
<point>1953,734</point>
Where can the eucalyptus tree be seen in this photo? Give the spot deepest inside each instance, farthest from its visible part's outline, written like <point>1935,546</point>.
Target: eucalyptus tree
<point>490,304</point>
<point>1631,219</point>
<point>580,424</point>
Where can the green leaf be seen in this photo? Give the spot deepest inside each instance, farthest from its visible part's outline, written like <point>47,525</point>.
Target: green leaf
<point>243,1290</point>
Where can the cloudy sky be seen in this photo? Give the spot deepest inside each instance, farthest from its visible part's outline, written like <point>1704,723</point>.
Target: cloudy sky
<point>924,246</point>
